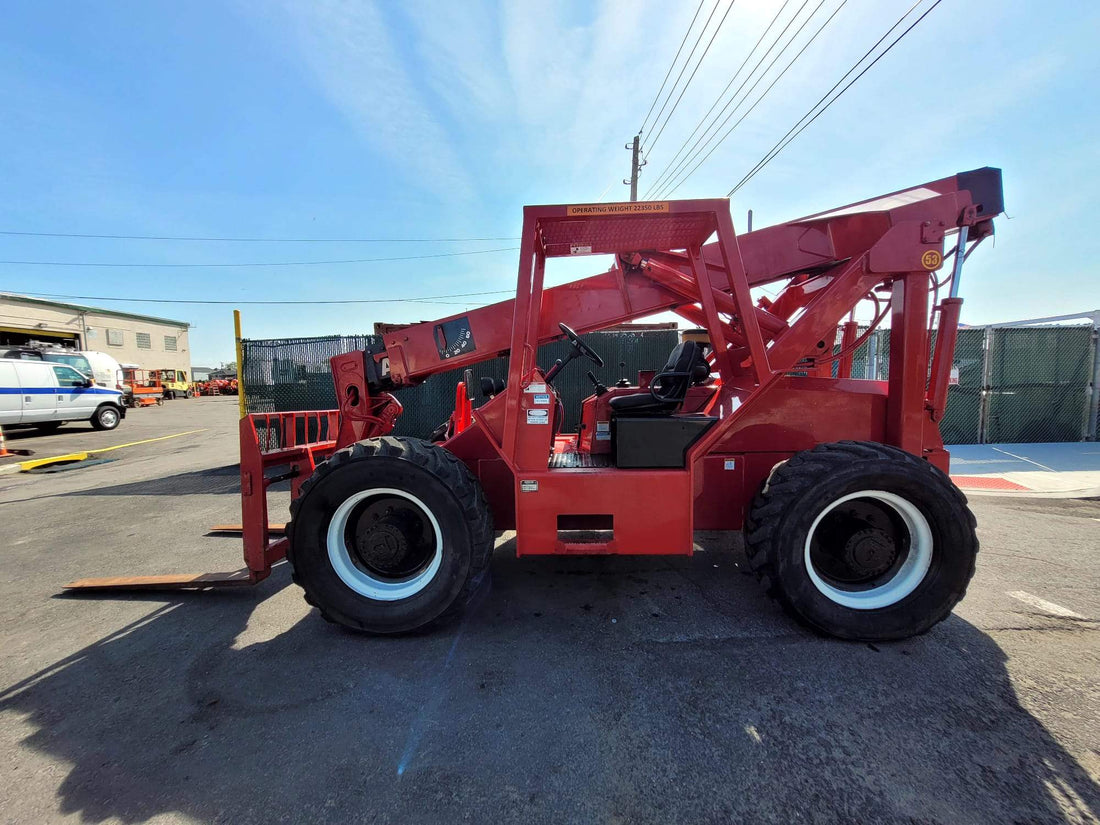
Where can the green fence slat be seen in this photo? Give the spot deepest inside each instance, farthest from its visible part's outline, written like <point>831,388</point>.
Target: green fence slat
<point>1038,390</point>
<point>293,374</point>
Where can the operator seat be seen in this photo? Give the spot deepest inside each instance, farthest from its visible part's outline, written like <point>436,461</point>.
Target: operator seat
<point>686,366</point>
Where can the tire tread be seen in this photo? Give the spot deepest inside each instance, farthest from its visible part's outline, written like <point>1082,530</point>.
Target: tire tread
<point>448,469</point>
<point>791,479</point>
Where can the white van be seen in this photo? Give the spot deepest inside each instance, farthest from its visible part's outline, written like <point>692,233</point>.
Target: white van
<point>106,371</point>
<point>46,395</point>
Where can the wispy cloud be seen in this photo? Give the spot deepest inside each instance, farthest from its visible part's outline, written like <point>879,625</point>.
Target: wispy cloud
<point>351,49</point>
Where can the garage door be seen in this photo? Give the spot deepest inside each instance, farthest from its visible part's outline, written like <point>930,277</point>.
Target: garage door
<point>21,336</point>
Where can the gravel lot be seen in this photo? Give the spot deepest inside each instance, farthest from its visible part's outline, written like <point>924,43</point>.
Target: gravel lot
<point>588,690</point>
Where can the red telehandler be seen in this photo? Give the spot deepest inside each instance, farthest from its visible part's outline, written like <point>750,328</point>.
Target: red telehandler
<point>839,484</point>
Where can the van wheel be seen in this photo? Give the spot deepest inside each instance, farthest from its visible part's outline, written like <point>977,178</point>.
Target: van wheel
<point>106,417</point>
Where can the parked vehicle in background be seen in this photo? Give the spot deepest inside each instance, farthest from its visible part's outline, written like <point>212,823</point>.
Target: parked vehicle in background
<point>46,395</point>
<point>106,371</point>
<point>175,383</point>
<point>144,386</point>
<point>217,386</point>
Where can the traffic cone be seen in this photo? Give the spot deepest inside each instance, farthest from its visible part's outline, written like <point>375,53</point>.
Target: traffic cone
<point>4,451</point>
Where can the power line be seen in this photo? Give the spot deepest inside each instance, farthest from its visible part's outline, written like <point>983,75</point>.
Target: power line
<point>766,91</point>
<point>427,299</point>
<point>672,65</point>
<point>254,264</point>
<point>691,77</point>
<point>657,181</point>
<point>687,62</point>
<point>247,240</point>
<point>708,135</point>
<point>738,98</point>
<point>784,141</point>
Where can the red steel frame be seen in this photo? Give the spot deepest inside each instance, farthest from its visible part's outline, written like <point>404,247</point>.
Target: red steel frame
<point>776,392</point>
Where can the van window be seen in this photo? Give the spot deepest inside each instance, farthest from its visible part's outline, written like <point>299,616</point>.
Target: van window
<point>68,377</point>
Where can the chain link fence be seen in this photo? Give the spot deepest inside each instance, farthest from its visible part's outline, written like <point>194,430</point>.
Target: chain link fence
<point>281,375</point>
<point>1015,384</point>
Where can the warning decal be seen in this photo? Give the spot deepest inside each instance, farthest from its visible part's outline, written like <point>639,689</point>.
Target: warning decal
<point>931,259</point>
<point>629,208</point>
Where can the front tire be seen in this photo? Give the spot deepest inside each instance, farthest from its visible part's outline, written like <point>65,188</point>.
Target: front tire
<point>107,417</point>
<point>862,541</point>
<point>389,535</point>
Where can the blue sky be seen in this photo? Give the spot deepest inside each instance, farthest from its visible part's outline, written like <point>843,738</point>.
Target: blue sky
<point>421,119</point>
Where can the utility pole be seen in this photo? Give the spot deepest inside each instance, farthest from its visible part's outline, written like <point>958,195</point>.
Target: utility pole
<point>636,165</point>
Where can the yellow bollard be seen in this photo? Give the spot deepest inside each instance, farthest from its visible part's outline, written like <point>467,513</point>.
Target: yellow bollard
<point>240,363</point>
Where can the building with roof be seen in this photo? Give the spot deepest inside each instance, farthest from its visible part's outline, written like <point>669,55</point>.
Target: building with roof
<point>144,340</point>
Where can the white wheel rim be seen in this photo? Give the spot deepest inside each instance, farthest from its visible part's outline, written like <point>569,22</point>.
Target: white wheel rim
<point>360,580</point>
<point>905,579</point>
<point>108,417</point>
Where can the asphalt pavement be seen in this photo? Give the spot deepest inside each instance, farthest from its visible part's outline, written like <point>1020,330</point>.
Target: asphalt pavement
<point>617,690</point>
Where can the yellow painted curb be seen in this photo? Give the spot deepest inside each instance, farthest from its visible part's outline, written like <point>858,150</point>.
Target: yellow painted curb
<point>42,462</point>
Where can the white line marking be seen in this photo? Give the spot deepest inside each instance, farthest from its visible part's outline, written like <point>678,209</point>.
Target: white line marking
<point>1044,605</point>
<point>1028,460</point>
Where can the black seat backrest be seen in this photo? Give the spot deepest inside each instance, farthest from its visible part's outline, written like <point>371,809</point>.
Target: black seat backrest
<point>686,365</point>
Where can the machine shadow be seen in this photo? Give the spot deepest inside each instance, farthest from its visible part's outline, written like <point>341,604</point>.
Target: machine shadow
<point>631,689</point>
<point>212,481</point>
<point>19,433</point>
<point>224,480</point>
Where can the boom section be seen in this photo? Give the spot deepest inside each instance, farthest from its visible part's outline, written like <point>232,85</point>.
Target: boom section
<point>652,272</point>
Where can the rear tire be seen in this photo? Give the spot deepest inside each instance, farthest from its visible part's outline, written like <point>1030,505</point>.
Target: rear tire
<point>107,417</point>
<point>862,541</point>
<point>389,535</point>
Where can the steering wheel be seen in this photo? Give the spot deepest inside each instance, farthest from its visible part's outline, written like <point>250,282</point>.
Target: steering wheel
<point>580,346</point>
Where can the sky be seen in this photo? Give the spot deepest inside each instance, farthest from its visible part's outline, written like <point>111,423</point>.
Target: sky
<point>428,119</point>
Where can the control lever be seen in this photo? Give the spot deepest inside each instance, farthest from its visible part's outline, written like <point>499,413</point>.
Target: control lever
<point>624,381</point>
<point>600,388</point>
